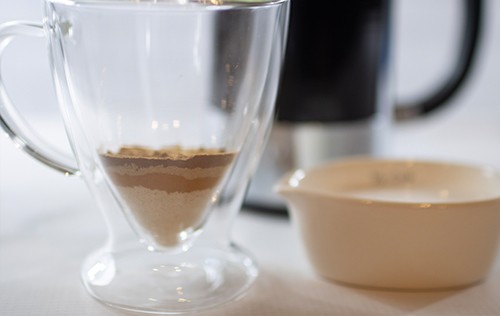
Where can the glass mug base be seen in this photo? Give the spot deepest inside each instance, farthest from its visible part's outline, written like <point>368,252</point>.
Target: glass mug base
<point>160,283</point>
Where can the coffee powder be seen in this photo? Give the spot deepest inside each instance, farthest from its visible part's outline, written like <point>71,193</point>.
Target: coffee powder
<point>168,190</point>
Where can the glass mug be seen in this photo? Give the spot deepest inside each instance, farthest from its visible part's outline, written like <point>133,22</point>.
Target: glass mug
<point>166,158</point>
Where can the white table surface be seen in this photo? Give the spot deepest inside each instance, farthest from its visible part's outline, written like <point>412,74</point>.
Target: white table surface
<point>49,223</point>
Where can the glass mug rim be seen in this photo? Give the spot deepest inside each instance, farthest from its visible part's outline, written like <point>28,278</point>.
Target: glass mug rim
<point>204,4</point>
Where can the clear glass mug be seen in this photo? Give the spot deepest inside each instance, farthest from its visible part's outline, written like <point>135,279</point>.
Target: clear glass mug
<point>165,154</point>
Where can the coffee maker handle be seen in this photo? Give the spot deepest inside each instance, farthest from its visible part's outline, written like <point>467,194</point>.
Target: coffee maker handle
<point>12,122</point>
<point>470,38</point>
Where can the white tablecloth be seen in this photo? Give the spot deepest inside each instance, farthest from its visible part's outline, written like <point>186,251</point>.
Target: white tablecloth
<point>49,223</point>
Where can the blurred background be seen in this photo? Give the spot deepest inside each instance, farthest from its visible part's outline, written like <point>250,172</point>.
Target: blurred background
<point>426,36</point>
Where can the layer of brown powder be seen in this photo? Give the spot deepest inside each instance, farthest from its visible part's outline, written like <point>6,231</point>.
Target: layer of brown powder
<point>166,190</point>
<point>177,156</point>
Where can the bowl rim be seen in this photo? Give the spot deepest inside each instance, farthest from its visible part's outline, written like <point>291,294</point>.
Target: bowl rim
<point>283,184</point>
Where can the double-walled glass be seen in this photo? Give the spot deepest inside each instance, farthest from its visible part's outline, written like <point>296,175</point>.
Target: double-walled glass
<point>167,105</point>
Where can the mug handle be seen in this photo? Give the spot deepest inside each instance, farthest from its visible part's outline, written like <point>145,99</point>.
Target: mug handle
<point>472,28</point>
<point>10,119</point>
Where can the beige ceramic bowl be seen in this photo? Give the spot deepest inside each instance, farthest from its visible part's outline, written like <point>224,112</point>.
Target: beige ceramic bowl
<point>397,224</point>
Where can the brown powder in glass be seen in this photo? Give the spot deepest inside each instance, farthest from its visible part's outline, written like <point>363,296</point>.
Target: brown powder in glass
<point>167,190</point>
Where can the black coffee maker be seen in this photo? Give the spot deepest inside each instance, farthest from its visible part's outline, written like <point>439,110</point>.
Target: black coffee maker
<point>335,98</point>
